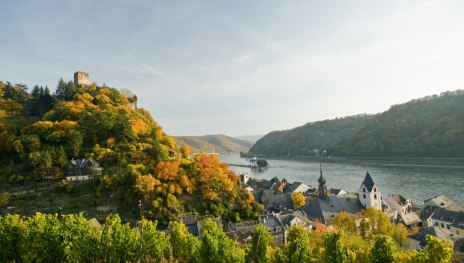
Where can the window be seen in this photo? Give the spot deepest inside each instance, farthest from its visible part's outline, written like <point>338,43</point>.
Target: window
<point>375,189</point>
<point>442,225</point>
<point>364,189</point>
<point>436,223</point>
<point>448,226</point>
<point>375,196</point>
<point>364,196</point>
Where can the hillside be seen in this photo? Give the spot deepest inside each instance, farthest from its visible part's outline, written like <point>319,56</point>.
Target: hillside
<point>42,133</point>
<point>432,126</point>
<point>250,138</point>
<point>217,143</point>
<point>305,139</point>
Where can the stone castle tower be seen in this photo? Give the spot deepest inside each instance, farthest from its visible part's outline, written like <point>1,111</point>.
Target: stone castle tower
<point>81,78</point>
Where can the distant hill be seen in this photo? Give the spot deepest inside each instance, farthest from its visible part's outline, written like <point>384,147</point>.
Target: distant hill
<point>432,126</point>
<point>250,138</point>
<point>218,143</point>
<point>305,139</point>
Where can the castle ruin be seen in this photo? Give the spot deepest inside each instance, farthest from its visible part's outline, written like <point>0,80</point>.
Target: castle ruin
<point>81,78</point>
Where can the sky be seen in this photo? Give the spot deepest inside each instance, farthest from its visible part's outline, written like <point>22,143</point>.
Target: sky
<point>240,67</point>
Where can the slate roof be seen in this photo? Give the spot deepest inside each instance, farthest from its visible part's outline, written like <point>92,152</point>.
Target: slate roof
<point>269,199</point>
<point>368,182</point>
<point>193,229</point>
<point>426,212</point>
<point>441,201</point>
<point>290,188</point>
<point>326,209</point>
<point>399,199</point>
<point>410,219</point>
<point>453,213</point>
<point>336,191</point>
<point>433,231</point>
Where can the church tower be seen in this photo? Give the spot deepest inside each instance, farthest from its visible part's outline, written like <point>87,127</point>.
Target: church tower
<point>322,186</point>
<point>369,194</point>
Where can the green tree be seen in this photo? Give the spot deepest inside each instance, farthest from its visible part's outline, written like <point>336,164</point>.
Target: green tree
<point>260,250</point>
<point>75,139</point>
<point>60,158</point>
<point>383,249</point>
<point>334,248</point>
<point>216,247</point>
<point>185,247</point>
<point>10,229</point>
<point>344,221</point>
<point>298,249</point>
<point>154,245</point>
<point>437,251</point>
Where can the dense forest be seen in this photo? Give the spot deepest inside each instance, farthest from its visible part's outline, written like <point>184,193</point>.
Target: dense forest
<point>218,143</point>
<point>432,126</point>
<point>71,238</point>
<point>41,132</point>
<point>304,140</point>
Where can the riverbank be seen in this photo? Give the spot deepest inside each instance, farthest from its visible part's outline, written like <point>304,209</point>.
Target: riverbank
<point>387,161</point>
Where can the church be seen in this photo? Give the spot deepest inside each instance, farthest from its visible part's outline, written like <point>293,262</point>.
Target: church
<point>326,206</point>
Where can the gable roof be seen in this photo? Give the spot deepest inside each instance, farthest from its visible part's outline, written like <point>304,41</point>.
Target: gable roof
<point>326,209</point>
<point>433,231</point>
<point>368,182</point>
<point>399,199</point>
<point>453,213</point>
<point>441,201</point>
<point>290,188</point>
<point>410,219</point>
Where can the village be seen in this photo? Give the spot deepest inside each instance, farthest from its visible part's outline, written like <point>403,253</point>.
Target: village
<point>438,216</point>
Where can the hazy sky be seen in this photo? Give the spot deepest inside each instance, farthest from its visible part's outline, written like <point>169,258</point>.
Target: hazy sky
<point>240,67</point>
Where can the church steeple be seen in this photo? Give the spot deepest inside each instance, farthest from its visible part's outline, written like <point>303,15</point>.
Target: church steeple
<point>322,186</point>
<point>369,194</point>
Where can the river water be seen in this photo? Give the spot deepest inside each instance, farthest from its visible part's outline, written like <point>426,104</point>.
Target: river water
<point>417,182</point>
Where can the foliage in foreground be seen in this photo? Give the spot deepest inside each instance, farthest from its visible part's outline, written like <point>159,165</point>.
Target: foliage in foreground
<point>71,238</point>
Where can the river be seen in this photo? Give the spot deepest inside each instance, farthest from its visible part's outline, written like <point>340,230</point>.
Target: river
<point>417,182</point>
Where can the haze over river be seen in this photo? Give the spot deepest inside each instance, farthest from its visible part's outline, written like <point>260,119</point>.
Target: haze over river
<point>417,182</point>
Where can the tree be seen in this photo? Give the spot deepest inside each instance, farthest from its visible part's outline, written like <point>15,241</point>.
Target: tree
<point>60,158</point>
<point>437,251</point>
<point>4,199</point>
<point>216,247</point>
<point>75,140</point>
<point>297,249</point>
<point>185,247</point>
<point>383,249</point>
<point>145,185</point>
<point>260,250</point>
<point>154,244</point>
<point>334,248</point>
<point>298,199</point>
<point>343,221</point>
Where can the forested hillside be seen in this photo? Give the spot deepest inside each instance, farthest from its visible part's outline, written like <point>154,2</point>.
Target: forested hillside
<point>41,132</point>
<point>217,143</point>
<point>432,126</point>
<point>304,140</point>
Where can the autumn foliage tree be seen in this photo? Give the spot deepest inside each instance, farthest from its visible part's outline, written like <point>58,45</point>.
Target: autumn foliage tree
<point>298,199</point>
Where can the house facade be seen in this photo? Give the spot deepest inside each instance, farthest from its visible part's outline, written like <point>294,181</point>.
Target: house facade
<point>81,170</point>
